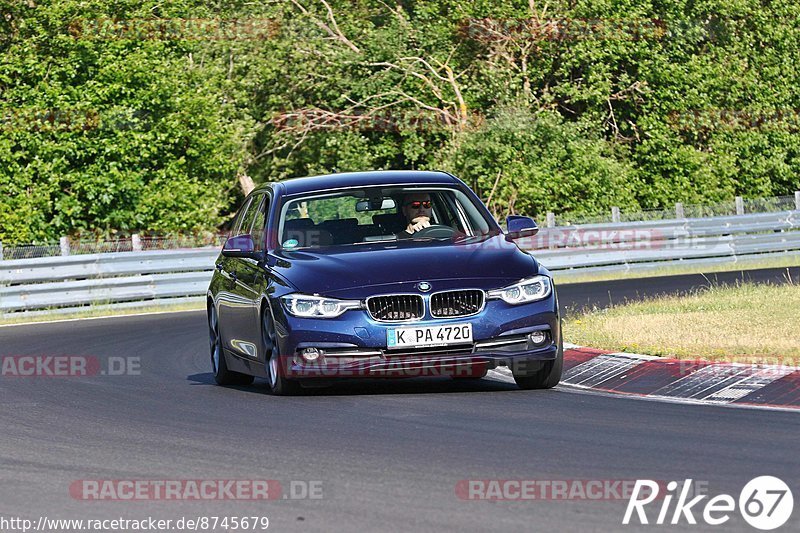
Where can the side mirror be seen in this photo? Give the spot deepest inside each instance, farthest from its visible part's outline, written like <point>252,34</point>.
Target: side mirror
<point>518,227</point>
<point>240,246</point>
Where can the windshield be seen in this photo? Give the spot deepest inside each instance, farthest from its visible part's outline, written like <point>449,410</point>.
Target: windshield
<point>374,214</point>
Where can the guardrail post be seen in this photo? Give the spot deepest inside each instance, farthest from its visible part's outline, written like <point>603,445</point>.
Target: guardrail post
<point>64,243</point>
<point>1,250</point>
<point>136,242</point>
<point>739,205</point>
<point>679,210</point>
<point>551,219</point>
<point>796,201</point>
<point>615,214</point>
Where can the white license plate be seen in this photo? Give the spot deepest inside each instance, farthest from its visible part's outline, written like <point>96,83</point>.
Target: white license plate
<point>429,336</point>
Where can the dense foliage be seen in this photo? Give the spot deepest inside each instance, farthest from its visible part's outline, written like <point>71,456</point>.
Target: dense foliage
<point>143,115</point>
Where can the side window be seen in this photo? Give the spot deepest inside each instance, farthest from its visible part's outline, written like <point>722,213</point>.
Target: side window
<point>250,215</point>
<point>258,231</point>
<point>448,209</point>
<point>237,227</point>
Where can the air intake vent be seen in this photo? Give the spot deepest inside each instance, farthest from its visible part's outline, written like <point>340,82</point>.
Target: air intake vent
<point>452,304</point>
<point>395,308</point>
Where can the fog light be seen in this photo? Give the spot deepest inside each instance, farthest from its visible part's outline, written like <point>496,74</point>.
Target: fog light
<point>538,337</point>
<point>310,354</point>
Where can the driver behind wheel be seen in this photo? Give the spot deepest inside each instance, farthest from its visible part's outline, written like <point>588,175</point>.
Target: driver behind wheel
<point>417,210</point>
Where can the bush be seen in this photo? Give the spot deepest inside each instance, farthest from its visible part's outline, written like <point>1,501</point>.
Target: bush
<point>533,163</point>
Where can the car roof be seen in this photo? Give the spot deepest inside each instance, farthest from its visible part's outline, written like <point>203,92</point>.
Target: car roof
<point>361,179</point>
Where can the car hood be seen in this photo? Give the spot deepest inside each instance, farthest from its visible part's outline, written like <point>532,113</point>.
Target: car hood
<point>356,271</point>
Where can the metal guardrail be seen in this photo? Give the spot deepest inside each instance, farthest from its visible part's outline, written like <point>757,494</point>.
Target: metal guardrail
<point>52,282</point>
<point>99,266</point>
<point>627,243</point>
<point>667,229</point>
<point>120,278</point>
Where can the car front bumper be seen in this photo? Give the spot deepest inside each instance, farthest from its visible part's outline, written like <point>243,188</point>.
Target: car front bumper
<point>354,345</point>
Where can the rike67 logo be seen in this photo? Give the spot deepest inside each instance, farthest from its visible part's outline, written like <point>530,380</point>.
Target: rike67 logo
<point>765,503</point>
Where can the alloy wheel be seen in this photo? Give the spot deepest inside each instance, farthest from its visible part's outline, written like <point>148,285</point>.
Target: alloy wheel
<point>214,340</point>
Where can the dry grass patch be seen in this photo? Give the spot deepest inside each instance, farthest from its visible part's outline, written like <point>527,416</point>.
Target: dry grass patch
<point>745,323</point>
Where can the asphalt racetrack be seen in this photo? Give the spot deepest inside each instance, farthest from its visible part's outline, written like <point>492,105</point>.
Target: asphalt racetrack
<point>382,455</point>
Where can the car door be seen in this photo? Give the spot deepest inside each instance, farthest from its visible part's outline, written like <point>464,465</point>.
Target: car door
<point>227,300</point>
<point>252,277</point>
<point>244,332</point>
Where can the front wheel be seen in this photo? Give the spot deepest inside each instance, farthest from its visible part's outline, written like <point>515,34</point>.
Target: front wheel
<point>546,377</point>
<point>219,366</point>
<point>278,384</point>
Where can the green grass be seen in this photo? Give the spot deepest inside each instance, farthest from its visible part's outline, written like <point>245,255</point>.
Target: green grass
<point>745,323</point>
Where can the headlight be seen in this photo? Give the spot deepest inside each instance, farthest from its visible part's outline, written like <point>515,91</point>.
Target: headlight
<point>306,306</point>
<point>527,290</point>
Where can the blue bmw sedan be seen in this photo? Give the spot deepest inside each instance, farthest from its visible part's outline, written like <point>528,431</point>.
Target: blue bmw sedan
<point>379,274</point>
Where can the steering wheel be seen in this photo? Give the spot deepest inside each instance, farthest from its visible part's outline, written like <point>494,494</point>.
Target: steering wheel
<point>435,231</point>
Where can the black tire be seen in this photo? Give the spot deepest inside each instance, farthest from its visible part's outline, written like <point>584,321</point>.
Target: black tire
<point>546,377</point>
<point>219,366</point>
<point>278,384</point>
